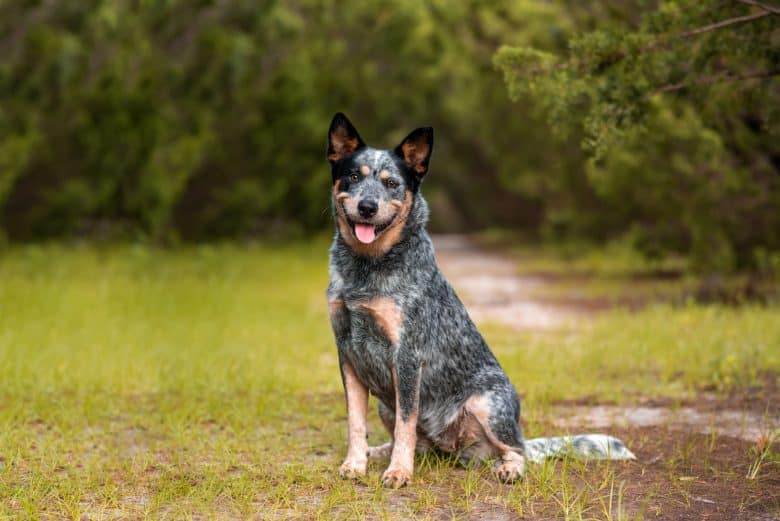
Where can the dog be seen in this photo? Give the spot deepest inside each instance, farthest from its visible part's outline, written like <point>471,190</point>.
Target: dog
<point>403,335</point>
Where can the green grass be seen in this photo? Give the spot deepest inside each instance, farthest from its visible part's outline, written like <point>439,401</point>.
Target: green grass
<point>660,351</point>
<point>139,383</point>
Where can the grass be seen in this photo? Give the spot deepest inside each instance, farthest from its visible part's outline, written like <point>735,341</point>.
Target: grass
<point>660,351</point>
<point>139,383</point>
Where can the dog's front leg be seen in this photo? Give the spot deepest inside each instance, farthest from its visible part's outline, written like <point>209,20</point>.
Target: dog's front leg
<point>406,381</point>
<point>355,392</point>
<point>357,405</point>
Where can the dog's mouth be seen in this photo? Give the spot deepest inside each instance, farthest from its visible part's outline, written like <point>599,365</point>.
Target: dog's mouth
<point>367,232</point>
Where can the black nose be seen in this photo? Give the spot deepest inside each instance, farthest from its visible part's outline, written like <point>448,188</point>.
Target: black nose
<point>367,208</point>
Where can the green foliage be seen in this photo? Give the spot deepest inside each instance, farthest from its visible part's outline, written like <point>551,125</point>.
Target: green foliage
<point>197,120</point>
<point>678,117</point>
<point>181,120</point>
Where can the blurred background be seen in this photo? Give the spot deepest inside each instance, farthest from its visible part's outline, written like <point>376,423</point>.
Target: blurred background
<point>596,121</point>
<point>605,196</point>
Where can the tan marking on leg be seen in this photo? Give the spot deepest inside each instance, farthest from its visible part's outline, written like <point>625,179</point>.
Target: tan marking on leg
<point>477,441</point>
<point>479,407</point>
<point>475,429</point>
<point>365,170</point>
<point>387,315</point>
<point>405,441</point>
<point>424,443</point>
<point>471,433</point>
<point>449,439</point>
<point>401,468</point>
<point>357,407</point>
<point>384,174</point>
<point>466,436</point>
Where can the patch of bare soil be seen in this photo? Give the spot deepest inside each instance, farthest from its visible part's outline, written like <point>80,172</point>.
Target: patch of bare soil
<point>677,476</point>
<point>748,415</point>
<point>493,290</point>
<point>687,475</point>
<point>736,423</point>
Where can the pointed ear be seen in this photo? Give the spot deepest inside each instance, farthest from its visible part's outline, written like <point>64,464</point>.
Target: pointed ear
<point>343,139</point>
<point>416,149</point>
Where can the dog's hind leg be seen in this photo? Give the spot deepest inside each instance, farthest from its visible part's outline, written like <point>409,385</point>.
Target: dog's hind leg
<point>491,431</point>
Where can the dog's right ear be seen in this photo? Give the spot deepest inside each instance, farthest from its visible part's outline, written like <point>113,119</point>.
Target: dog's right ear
<point>343,139</point>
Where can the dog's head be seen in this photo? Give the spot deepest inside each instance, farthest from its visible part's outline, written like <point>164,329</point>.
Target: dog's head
<point>374,190</point>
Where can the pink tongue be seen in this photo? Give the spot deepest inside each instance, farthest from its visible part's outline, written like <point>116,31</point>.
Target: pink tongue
<point>365,232</point>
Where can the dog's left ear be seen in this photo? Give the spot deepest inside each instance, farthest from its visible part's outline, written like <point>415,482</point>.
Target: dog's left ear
<point>416,149</point>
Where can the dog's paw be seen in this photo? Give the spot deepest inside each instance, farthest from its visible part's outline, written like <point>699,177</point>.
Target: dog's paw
<point>352,468</point>
<point>380,452</point>
<point>510,470</point>
<point>396,477</point>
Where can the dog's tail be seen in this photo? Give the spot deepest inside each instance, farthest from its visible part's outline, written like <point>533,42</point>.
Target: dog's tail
<point>580,446</point>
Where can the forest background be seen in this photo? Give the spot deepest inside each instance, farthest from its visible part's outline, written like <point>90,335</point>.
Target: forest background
<point>650,123</point>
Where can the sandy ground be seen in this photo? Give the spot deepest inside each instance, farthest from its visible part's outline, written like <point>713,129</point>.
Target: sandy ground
<point>493,290</point>
<point>743,424</point>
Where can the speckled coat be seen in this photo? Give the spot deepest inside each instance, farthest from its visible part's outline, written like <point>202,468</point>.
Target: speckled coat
<point>402,333</point>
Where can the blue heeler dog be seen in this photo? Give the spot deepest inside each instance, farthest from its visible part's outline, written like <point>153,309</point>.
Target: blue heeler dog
<point>405,337</point>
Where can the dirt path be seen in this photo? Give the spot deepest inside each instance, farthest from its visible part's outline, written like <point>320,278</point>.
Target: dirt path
<point>493,289</point>
<point>735,423</point>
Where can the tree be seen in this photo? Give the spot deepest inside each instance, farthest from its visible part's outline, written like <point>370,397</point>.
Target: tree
<point>676,105</point>
<point>208,119</point>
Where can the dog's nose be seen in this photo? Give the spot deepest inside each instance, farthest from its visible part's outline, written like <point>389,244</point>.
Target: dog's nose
<point>367,208</point>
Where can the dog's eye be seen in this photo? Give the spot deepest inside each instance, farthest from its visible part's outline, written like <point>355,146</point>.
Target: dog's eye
<point>391,183</point>
<point>354,178</point>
